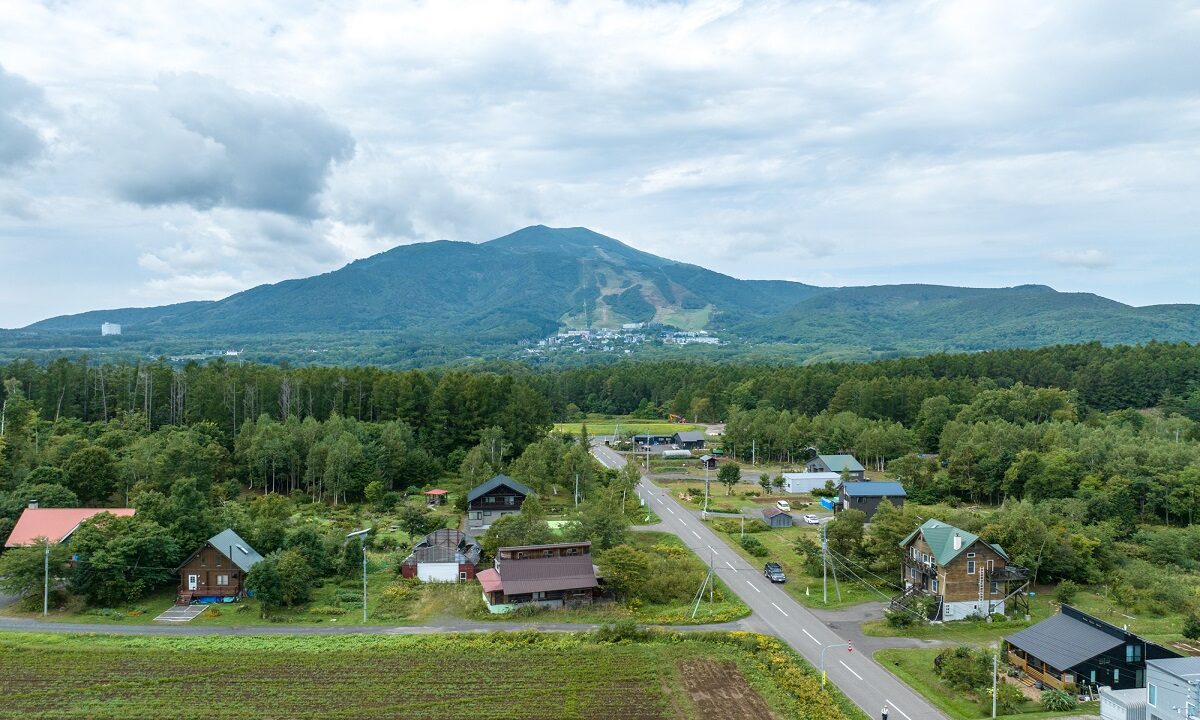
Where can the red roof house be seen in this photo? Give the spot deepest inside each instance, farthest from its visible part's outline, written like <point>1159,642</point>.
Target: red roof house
<point>54,524</point>
<point>560,575</point>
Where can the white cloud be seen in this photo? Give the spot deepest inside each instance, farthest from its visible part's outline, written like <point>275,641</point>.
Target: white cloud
<point>860,142</point>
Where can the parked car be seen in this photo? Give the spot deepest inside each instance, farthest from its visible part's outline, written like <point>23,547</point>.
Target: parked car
<point>774,572</point>
<point>811,519</point>
<point>784,505</point>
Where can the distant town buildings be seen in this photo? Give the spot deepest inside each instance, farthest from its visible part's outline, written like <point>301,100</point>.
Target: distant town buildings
<point>624,340</point>
<point>110,329</point>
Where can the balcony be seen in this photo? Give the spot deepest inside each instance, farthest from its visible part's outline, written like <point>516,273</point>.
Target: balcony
<point>1047,679</point>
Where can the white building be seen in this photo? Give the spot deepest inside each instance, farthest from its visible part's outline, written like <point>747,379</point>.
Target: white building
<point>806,482</point>
<point>110,329</point>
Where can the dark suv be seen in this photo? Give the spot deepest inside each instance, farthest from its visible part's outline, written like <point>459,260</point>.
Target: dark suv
<point>774,572</point>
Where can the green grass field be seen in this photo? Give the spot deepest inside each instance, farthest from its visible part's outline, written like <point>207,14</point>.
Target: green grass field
<point>627,426</point>
<point>493,675</point>
<point>915,667</point>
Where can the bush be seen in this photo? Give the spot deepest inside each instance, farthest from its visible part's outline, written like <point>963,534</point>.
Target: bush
<point>754,546</point>
<point>734,527</point>
<point>1191,626</point>
<point>1066,591</point>
<point>328,610</point>
<point>1058,701</point>
<point>621,631</point>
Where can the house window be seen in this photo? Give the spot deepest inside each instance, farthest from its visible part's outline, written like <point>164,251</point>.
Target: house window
<point>935,584</point>
<point>970,555</point>
<point>1133,653</point>
<point>915,554</point>
<point>572,551</point>
<point>970,567</point>
<point>222,580</point>
<point>860,501</point>
<point>991,565</point>
<point>547,553</point>
<point>489,499</point>
<point>995,587</point>
<point>462,576</point>
<point>924,558</point>
<point>217,561</point>
<point>520,556</point>
<point>1116,675</point>
<point>510,500</point>
<point>1093,677</point>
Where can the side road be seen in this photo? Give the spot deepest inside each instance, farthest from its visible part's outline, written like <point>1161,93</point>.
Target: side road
<point>863,680</point>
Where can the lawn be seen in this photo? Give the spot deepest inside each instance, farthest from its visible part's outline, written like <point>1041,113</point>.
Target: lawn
<point>627,425</point>
<point>915,667</point>
<point>498,675</point>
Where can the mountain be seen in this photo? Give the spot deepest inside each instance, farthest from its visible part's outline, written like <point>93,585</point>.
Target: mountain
<point>447,297</point>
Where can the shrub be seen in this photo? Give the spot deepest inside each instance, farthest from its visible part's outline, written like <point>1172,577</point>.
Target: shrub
<point>1066,591</point>
<point>754,546</point>
<point>621,631</point>
<point>1058,701</point>
<point>670,551</point>
<point>328,610</point>
<point>734,527</point>
<point>1191,626</point>
<point>213,612</point>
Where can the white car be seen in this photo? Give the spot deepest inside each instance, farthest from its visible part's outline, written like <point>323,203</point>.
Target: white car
<point>784,505</point>
<point>812,520</point>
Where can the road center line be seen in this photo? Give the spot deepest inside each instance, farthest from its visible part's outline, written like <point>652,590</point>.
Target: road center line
<point>780,610</point>
<point>810,635</point>
<point>889,702</point>
<point>696,534</point>
<point>731,567</point>
<point>710,547</point>
<point>843,662</point>
<point>670,511</point>
<point>753,586</point>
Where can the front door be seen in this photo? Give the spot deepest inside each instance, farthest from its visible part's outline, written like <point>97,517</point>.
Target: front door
<point>192,582</point>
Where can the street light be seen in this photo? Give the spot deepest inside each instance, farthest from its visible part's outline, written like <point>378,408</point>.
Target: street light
<point>362,536</point>
<point>846,645</point>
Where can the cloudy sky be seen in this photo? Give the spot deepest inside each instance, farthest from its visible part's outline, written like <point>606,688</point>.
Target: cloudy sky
<point>153,152</point>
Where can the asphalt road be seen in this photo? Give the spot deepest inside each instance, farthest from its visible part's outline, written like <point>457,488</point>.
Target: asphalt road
<point>863,680</point>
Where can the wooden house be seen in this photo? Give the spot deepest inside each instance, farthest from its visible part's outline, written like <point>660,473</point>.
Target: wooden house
<point>777,518</point>
<point>54,525</point>
<point>217,570</point>
<point>443,556</point>
<point>867,495</point>
<point>559,575</point>
<point>966,575</point>
<point>708,462</point>
<point>494,499</point>
<point>1074,649</point>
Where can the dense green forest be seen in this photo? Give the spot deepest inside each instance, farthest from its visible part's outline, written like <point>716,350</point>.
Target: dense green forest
<point>1095,449</point>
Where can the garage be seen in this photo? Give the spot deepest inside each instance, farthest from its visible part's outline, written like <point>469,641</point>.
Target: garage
<point>437,572</point>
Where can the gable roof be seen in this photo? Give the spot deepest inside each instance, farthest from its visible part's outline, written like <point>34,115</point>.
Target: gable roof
<point>445,546</point>
<point>490,485</point>
<point>878,488</point>
<point>770,512</point>
<point>1064,640</point>
<point>232,546</point>
<point>837,463</point>
<point>940,538</point>
<point>1183,667</point>
<point>690,436</point>
<point>54,524</point>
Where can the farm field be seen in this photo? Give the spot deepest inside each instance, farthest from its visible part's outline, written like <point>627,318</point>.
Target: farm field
<point>713,676</point>
<point>627,425</point>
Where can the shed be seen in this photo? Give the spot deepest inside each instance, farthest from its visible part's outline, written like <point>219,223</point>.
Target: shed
<point>436,496</point>
<point>776,518</point>
<point>676,454</point>
<point>708,462</point>
<point>807,482</point>
<point>445,555</point>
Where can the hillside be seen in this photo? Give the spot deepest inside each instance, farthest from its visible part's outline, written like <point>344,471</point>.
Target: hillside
<point>430,302</point>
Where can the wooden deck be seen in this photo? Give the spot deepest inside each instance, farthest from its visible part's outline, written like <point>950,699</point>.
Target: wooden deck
<point>1047,679</point>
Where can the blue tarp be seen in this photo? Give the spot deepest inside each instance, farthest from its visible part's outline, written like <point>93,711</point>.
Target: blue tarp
<point>827,503</point>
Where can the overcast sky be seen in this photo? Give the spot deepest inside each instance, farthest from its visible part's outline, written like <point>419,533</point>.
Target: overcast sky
<point>154,152</point>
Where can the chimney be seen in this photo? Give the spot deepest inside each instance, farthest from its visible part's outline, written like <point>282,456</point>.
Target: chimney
<point>957,541</point>
<point>33,504</point>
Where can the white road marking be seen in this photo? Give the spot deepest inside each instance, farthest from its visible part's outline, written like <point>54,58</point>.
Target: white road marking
<point>710,547</point>
<point>696,534</point>
<point>780,610</point>
<point>670,511</point>
<point>810,635</point>
<point>889,702</point>
<point>731,567</point>
<point>843,662</point>
<point>659,500</point>
<point>753,586</point>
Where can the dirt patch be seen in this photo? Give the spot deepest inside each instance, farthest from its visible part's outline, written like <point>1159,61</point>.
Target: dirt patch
<point>720,691</point>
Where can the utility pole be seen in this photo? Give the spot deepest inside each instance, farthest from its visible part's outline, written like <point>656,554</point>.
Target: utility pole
<point>824,571</point>
<point>46,585</point>
<point>362,538</point>
<point>576,489</point>
<point>995,676</point>
<point>754,451</point>
<point>704,512</point>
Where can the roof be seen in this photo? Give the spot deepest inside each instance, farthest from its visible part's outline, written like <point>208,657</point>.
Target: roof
<point>886,488</point>
<point>235,548</point>
<point>547,574</point>
<point>1183,667</point>
<point>445,546</point>
<point>585,545</point>
<point>837,463</point>
<point>690,436</point>
<point>54,524</point>
<point>490,485</point>
<point>812,476</point>
<point>770,512</point>
<point>1133,699</point>
<point>1064,642</point>
<point>490,580</point>
<point>435,491</point>
<point>940,538</point>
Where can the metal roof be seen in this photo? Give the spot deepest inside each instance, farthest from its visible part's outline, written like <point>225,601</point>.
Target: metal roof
<point>837,463</point>
<point>444,546</point>
<point>770,512</point>
<point>940,538</point>
<point>1184,667</point>
<point>877,488</point>
<point>690,436</point>
<point>54,524</point>
<point>1063,641</point>
<point>235,548</point>
<point>563,572</point>
<point>583,545</point>
<point>485,488</point>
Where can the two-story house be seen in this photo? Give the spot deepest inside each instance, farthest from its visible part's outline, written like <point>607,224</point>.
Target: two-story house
<point>968,576</point>
<point>1173,688</point>
<point>559,575</point>
<point>494,499</point>
<point>837,464</point>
